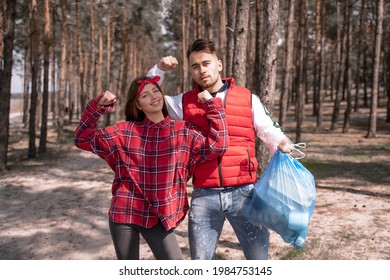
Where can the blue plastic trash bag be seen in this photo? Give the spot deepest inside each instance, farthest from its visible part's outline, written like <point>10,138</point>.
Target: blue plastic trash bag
<point>284,199</point>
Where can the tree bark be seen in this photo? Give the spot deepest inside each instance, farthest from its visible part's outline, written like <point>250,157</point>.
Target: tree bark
<point>288,65</point>
<point>8,29</point>
<point>301,70</point>
<point>99,70</point>
<point>358,59</point>
<point>26,84</point>
<point>53,103</point>
<point>322,66</point>
<point>184,45</point>
<point>317,58</point>
<point>340,69</point>
<point>209,24</point>
<point>45,94</point>
<point>61,95</point>
<point>222,34</point>
<point>348,71</point>
<point>268,74</point>
<point>34,37</point>
<point>230,34</point>
<point>83,96</point>
<point>110,48</point>
<point>2,15</point>
<point>375,80</point>
<point>240,42</point>
<point>387,63</point>
<point>258,46</point>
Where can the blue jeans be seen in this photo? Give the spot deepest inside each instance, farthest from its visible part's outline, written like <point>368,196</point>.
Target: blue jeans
<point>208,211</point>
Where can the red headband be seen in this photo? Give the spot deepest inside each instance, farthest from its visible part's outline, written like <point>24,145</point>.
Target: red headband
<point>143,83</point>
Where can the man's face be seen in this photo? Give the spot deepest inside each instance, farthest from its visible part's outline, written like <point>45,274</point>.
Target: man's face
<point>205,68</point>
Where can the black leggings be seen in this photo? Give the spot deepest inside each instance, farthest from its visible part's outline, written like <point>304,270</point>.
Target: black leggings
<point>126,240</point>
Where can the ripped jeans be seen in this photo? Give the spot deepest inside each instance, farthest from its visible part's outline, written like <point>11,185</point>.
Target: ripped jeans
<point>208,211</point>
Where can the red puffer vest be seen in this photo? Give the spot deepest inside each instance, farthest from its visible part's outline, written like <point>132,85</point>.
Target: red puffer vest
<point>239,164</point>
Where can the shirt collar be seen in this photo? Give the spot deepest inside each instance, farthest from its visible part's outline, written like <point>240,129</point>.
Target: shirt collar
<point>223,88</point>
<point>164,123</point>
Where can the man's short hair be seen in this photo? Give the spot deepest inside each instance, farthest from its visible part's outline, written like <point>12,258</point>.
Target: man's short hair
<point>201,45</point>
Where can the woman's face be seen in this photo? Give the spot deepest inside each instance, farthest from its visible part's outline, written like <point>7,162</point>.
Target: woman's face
<point>150,100</point>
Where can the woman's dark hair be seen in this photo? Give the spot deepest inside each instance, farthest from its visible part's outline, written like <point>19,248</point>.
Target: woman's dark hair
<point>131,111</point>
<point>201,45</point>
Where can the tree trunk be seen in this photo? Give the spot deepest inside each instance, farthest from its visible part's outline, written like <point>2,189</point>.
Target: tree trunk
<point>2,23</point>
<point>258,46</point>
<point>184,45</point>
<point>83,97</point>
<point>99,67</point>
<point>340,70</point>
<point>46,63</point>
<point>53,103</point>
<point>348,71</point>
<point>301,70</point>
<point>316,63</point>
<point>61,94</point>
<point>208,20</point>
<point>287,63</point>
<point>387,63</point>
<point>71,77</point>
<point>365,74</point>
<point>34,37</point>
<point>230,34</point>
<point>197,18</point>
<point>110,48</point>
<point>92,65</point>
<point>268,66</point>
<point>240,42</point>
<point>38,114</point>
<point>375,79</point>
<point>125,50</point>
<point>322,66</point>
<point>26,84</point>
<point>222,35</point>
<point>7,42</point>
<point>359,51</point>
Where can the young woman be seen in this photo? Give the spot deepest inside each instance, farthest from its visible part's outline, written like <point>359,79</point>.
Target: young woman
<point>152,157</point>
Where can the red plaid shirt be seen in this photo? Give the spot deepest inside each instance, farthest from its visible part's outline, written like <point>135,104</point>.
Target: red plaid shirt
<point>152,162</point>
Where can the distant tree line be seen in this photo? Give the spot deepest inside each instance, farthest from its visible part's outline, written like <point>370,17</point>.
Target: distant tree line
<point>303,50</point>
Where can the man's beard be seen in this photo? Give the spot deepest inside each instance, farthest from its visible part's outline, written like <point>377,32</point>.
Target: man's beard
<point>207,85</point>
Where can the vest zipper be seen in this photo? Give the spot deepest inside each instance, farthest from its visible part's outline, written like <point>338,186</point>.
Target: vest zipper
<point>220,172</point>
<point>249,163</point>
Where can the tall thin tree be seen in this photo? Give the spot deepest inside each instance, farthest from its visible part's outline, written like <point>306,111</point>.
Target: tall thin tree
<point>83,97</point>
<point>61,95</point>
<point>341,46</point>
<point>258,45</point>
<point>375,79</point>
<point>34,48</point>
<point>46,63</point>
<point>240,42</point>
<point>348,71</point>
<point>301,69</point>
<point>287,62</point>
<point>359,47</point>
<point>184,43</point>
<point>268,66</point>
<point>230,30</point>
<point>7,27</point>
<point>322,66</point>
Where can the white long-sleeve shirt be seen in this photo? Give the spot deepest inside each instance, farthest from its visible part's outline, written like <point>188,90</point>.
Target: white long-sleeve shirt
<point>265,128</point>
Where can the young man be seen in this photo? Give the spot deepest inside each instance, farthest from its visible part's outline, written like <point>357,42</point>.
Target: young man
<point>224,186</point>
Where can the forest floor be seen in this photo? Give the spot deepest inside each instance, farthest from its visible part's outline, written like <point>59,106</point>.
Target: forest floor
<point>55,206</point>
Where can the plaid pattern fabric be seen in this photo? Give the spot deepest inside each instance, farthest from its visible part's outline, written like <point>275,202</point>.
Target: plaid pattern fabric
<point>152,162</point>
